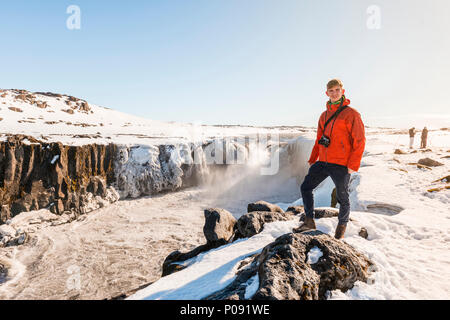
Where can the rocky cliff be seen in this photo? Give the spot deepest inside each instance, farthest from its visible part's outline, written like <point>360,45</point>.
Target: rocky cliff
<point>76,179</point>
<point>36,175</point>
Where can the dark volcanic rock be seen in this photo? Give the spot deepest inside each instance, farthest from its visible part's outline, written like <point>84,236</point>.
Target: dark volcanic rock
<point>320,213</point>
<point>263,206</point>
<point>37,175</point>
<point>284,272</point>
<point>252,223</point>
<point>296,209</point>
<point>429,162</point>
<point>363,233</point>
<point>173,261</point>
<point>219,225</point>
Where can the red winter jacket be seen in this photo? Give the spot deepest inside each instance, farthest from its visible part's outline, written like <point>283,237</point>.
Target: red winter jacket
<point>347,137</point>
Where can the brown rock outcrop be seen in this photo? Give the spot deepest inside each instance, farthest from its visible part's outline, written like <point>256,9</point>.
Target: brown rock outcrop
<point>37,175</point>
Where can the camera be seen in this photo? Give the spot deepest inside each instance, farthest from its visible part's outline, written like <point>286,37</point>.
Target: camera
<point>325,141</point>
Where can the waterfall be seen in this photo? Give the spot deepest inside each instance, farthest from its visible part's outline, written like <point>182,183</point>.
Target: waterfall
<point>227,167</point>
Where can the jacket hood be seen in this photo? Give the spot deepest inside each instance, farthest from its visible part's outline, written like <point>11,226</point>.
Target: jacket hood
<point>334,107</point>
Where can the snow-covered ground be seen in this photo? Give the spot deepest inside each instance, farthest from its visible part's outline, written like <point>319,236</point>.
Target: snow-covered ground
<point>411,248</point>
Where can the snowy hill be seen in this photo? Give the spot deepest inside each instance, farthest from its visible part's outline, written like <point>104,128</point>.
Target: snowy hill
<point>72,121</point>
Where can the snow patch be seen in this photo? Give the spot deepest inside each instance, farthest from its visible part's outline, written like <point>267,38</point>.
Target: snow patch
<point>314,255</point>
<point>252,287</point>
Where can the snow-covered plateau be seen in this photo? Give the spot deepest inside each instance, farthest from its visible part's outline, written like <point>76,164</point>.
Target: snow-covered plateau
<point>150,202</point>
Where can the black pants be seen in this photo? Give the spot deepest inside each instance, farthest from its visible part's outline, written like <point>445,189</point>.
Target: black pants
<point>318,172</point>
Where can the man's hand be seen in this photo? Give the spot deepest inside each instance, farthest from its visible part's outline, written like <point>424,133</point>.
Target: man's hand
<point>350,170</point>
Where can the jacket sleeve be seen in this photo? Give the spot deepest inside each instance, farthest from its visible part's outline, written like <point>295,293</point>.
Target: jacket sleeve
<point>315,150</point>
<point>358,141</point>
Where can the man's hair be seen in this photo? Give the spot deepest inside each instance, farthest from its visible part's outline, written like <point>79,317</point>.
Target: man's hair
<point>333,83</point>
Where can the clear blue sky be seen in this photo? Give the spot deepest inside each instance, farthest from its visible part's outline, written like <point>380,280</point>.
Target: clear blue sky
<point>258,62</point>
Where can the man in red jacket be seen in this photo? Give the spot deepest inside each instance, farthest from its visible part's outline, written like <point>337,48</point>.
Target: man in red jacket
<point>339,146</point>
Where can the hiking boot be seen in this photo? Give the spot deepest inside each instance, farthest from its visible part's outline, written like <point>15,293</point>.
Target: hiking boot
<point>340,231</point>
<point>308,224</point>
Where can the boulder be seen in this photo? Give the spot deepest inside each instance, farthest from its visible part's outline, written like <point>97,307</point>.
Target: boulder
<point>398,151</point>
<point>84,106</point>
<point>363,233</point>
<point>430,162</point>
<point>263,206</point>
<point>219,225</point>
<point>253,222</point>
<point>218,230</point>
<point>70,111</point>
<point>320,213</point>
<point>42,104</point>
<point>296,210</point>
<point>286,271</point>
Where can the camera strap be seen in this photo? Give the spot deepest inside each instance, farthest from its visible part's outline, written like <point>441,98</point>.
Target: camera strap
<point>338,111</point>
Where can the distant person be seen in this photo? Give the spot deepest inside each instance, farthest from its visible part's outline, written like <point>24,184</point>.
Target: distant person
<point>423,138</point>
<point>412,132</point>
<point>339,146</point>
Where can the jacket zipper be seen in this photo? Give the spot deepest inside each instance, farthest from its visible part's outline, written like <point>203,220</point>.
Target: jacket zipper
<point>326,149</point>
